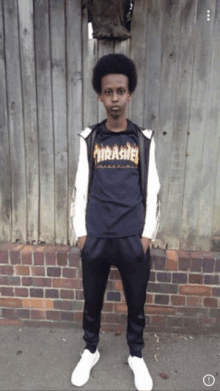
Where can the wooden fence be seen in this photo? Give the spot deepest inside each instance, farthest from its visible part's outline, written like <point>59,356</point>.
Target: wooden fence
<point>46,98</point>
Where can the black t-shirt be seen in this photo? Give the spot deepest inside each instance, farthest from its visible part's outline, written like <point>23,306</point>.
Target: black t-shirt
<point>115,204</point>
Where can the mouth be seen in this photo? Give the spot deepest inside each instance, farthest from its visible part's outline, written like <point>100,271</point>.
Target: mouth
<point>115,108</point>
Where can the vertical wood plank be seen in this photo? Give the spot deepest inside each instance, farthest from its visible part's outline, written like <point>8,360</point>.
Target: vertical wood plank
<point>180,123</point>
<point>58,63</point>
<point>5,174</point>
<point>16,128</point>
<point>25,11</point>
<point>139,30</point>
<point>90,101</point>
<point>124,47</point>
<point>105,46</point>
<point>74,88</point>
<point>210,153</point>
<point>215,235</point>
<point>169,61</point>
<point>46,137</point>
<point>153,65</point>
<point>201,70</point>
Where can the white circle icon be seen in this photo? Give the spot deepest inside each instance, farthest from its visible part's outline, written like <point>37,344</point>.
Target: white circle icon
<point>208,380</point>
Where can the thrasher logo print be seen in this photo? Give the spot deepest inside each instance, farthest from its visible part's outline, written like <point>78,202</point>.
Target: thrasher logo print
<point>128,152</point>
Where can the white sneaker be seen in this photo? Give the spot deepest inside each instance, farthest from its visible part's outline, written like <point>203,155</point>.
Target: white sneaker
<point>81,373</point>
<point>142,378</point>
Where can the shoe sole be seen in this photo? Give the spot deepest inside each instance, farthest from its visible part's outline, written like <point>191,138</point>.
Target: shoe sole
<point>96,360</point>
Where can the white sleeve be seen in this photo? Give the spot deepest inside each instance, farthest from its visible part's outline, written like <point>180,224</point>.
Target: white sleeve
<point>79,195</point>
<point>152,204</point>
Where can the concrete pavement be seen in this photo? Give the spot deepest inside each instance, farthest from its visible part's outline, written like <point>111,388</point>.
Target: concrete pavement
<point>38,358</point>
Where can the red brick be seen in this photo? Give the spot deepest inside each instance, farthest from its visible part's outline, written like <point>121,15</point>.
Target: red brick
<point>195,278</point>
<point>108,307</point>
<point>35,314</point>
<point>69,272</point>
<point>53,315</point>
<point>50,258</point>
<point>172,264</point>
<point>26,255</point>
<point>38,258</point>
<point>149,298</point>
<point>110,318</point>
<point>206,322</point>
<point>78,316</point>
<point>79,274</point>
<point>23,313</point>
<point>22,270</point>
<point>15,257</point>
<point>67,316</point>
<point>210,302</point>
<point>10,302</point>
<point>21,292</point>
<point>3,280</point>
<point>27,281</point>
<point>37,303</point>
<point>41,282</point>
<point>52,293</point>
<point>172,254</point>
<point>118,285</point>
<point>37,271</point>
<point>178,300</point>
<point>74,259</point>
<point>67,294</point>
<point>67,283</point>
<point>193,301</point>
<point>115,328</point>
<point>194,290</point>
<point>9,313</point>
<point>114,274</point>
<point>159,310</point>
<point>4,256</point>
<point>6,269</point>
<point>158,320</point>
<point>121,308</point>
<point>7,291</point>
<point>10,322</point>
<point>61,259</point>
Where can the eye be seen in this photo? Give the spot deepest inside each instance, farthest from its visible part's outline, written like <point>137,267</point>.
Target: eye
<point>107,92</point>
<point>121,91</point>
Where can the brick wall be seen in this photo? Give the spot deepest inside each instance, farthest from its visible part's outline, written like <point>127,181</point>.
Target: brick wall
<point>42,285</point>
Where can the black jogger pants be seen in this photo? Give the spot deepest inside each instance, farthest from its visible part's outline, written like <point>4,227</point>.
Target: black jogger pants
<point>126,253</point>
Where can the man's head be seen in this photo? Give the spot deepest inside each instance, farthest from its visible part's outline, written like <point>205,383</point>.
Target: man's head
<point>114,80</point>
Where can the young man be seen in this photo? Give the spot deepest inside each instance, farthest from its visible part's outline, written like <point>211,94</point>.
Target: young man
<point>115,213</point>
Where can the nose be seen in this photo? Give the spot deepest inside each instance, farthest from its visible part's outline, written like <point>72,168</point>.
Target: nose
<point>115,97</point>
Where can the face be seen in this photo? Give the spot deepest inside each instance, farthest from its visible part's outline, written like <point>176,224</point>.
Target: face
<point>115,93</point>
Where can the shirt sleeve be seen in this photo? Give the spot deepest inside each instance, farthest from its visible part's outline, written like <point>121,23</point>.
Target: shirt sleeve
<point>79,195</point>
<point>153,203</point>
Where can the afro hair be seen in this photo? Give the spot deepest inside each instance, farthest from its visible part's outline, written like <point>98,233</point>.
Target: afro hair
<point>116,63</point>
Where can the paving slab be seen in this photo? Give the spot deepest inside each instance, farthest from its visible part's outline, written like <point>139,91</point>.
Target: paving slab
<point>38,358</point>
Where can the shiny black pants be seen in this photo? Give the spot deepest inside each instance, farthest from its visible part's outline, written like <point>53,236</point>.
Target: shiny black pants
<point>126,253</point>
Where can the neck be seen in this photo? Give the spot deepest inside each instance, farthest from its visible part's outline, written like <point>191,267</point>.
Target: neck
<point>116,125</point>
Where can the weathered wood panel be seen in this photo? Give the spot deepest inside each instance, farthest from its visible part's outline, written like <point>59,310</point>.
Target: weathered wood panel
<point>74,88</point>
<point>201,71</point>
<point>16,127</point>
<point>209,176</point>
<point>180,123</point>
<point>215,236</point>
<point>138,55</point>
<point>47,98</point>
<point>5,169</point>
<point>153,66</point>
<point>26,33</point>
<point>166,131</point>
<point>58,64</point>
<point>45,122</point>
